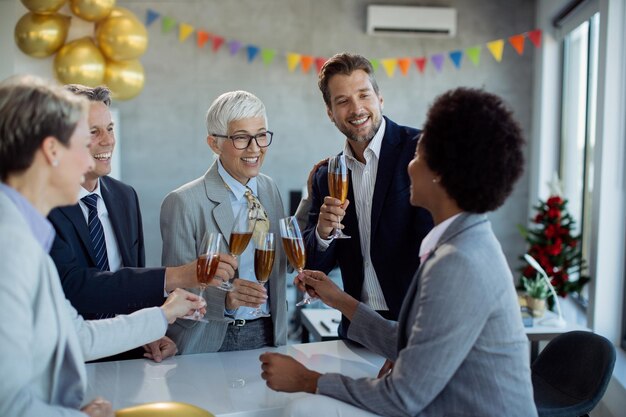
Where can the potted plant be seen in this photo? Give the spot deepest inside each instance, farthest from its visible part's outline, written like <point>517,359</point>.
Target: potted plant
<point>536,293</point>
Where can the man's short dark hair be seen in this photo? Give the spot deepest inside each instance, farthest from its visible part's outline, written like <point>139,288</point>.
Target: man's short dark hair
<point>344,64</point>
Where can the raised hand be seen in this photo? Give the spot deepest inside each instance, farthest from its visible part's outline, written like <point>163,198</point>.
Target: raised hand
<point>331,215</point>
<point>182,303</point>
<point>246,293</point>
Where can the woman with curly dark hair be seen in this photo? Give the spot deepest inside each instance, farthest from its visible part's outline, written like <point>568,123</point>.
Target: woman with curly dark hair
<point>459,346</point>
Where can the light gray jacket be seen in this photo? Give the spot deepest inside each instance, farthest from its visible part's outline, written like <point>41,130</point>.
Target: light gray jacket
<point>459,346</point>
<point>44,340</point>
<point>187,213</point>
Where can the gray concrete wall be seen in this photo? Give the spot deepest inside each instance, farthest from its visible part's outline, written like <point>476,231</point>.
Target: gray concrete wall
<point>163,130</point>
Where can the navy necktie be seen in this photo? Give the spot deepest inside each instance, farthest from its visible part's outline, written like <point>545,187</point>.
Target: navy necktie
<point>96,232</point>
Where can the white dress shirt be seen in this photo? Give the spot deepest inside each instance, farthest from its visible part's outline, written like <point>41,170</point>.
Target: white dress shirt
<point>431,239</point>
<point>363,177</point>
<point>113,250</point>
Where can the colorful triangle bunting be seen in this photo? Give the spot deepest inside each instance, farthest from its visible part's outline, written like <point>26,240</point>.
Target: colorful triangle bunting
<point>217,42</point>
<point>473,54</point>
<point>167,24</point>
<point>268,55</point>
<point>319,63</point>
<point>456,57</point>
<point>184,30</point>
<point>234,46</point>
<point>305,63</point>
<point>202,37</point>
<point>151,16</point>
<point>292,61</point>
<point>535,37</point>
<point>496,47</point>
<point>252,52</point>
<point>404,64</point>
<point>420,63</point>
<point>375,64</point>
<point>389,65</point>
<point>437,61</point>
<point>517,42</point>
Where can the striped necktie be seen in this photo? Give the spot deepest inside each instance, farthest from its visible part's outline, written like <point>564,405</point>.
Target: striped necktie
<point>96,232</point>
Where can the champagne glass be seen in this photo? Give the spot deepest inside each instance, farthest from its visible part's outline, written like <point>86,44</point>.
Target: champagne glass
<point>264,254</point>
<point>240,236</point>
<point>338,186</point>
<point>206,265</point>
<point>294,248</point>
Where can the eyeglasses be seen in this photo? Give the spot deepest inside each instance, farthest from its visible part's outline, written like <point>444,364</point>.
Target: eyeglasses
<point>242,141</point>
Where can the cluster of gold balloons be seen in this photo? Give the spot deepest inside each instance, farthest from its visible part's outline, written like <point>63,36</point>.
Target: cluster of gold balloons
<point>110,57</point>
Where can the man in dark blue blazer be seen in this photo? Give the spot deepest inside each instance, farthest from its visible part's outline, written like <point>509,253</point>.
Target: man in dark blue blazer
<point>124,285</point>
<point>379,260</point>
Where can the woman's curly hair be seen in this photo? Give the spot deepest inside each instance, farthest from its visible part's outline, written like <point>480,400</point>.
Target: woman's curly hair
<point>472,141</point>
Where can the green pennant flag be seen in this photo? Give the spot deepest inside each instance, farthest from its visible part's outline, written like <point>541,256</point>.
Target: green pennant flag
<point>168,24</point>
<point>473,54</point>
<point>375,63</point>
<point>268,55</point>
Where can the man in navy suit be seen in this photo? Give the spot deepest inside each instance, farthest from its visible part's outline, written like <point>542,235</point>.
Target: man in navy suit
<point>381,256</point>
<point>124,285</point>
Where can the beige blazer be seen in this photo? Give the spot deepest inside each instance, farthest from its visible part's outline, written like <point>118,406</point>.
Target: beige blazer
<point>44,340</point>
<point>187,213</point>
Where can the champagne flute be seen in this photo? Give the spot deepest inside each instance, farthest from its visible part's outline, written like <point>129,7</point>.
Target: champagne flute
<point>206,265</point>
<point>338,186</point>
<point>294,248</point>
<point>264,254</point>
<point>240,236</point>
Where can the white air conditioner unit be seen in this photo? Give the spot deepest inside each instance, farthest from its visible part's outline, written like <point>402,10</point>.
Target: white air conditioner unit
<point>411,20</point>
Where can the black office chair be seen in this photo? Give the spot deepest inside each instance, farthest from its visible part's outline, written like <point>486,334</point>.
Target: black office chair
<point>571,374</point>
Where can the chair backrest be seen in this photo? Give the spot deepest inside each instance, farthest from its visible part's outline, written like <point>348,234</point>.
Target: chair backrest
<point>573,371</point>
<point>163,409</point>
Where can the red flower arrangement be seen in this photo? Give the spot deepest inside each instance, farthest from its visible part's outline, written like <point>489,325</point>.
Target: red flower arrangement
<point>553,245</point>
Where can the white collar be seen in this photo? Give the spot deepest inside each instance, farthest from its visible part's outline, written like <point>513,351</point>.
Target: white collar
<point>235,187</point>
<point>83,192</point>
<point>373,146</point>
<point>432,238</point>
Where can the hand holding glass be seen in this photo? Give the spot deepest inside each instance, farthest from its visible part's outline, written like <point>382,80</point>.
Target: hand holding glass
<point>264,254</point>
<point>338,186</point>
<point>207,263</point>
<point>240,237</point>
<point>293,244</point>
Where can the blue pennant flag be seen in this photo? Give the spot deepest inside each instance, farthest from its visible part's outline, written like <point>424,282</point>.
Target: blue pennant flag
<point>252,52</point>
<point>151,16</point>
<point>456,57</point>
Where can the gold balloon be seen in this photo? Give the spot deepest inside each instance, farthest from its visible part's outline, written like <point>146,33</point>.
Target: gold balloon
<point>80,62</point>
<point>122,37</point>
<point>92,10</point>
<point>41,35</point>
<point>163,409</point>
<point>124,78</point>
<point>43,6</point>
<point>121,11</point>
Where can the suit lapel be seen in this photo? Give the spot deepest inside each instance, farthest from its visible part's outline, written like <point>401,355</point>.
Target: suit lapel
<point>389,152</point>
<point>76,217</point>
<point>216,192</point>
<point>118,220</point>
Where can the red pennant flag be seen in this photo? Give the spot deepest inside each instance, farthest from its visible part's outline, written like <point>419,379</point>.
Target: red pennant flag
<point>202,37</point>
<point>305,62</point>
<point>517,42</point>
<point>535,37</point>
<point>319,63</point>
<point>421,64</point>
<point>404,64</point>
<point>217,42</point>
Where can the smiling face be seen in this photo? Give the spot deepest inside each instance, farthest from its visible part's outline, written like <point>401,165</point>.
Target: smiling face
<point>102,142</point>
<point>241,164</point>
<point>355,108</point>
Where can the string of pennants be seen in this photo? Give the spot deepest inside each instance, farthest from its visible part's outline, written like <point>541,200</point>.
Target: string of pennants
<point>205,38</point>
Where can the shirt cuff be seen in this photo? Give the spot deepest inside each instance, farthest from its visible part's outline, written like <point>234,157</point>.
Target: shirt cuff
<point>164,318</point>
<point>322,244</point>
<point>230,313</point>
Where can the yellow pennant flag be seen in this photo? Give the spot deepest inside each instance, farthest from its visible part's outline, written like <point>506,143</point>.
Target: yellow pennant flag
<point>496,47</point>
<point>292,61</point>
<point>184,30</point>
<point>389,65</point>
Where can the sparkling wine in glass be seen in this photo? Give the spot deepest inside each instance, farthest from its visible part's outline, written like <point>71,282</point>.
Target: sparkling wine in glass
<point>264,254</point>
<point>338,186</point>
<point>293,244</point>
<point>206,265</point>
<point>240,236</point>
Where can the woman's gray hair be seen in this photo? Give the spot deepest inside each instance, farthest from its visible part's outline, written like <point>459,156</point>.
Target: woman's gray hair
<point>31,110</point>
<point>231,106</point>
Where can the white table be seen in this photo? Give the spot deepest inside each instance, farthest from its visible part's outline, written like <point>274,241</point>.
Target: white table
<point>319,324</point>
<point>226,384</point>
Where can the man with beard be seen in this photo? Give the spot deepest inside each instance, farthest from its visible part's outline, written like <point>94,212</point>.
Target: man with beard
<point>381,256</point>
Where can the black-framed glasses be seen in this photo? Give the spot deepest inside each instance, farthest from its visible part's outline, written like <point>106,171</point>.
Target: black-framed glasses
<point>242,141</point>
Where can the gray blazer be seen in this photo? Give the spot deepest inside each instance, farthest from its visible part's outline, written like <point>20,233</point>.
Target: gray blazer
<point>44,340</point>
<point>459,346</point>
<point>187,213</point>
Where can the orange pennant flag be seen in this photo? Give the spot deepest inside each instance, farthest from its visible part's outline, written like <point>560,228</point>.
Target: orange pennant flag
<point>496,48</point>
<point>184,30</point>
<point>306,62</point>
<point>404,64</point>
<point>535,37</point>
<point>202,37</point>
<point>319,63</point>
<point>292,61</point>
<point>389,65</point>
<point>517,42</point>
